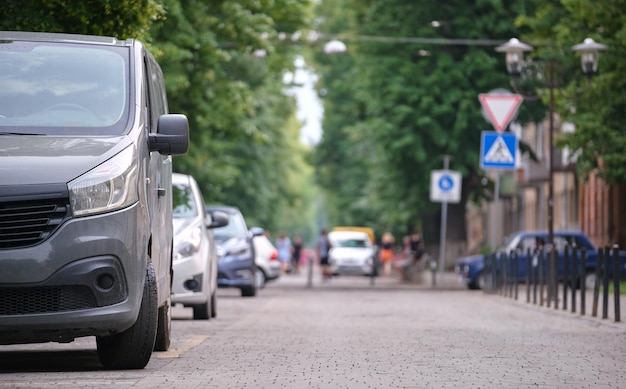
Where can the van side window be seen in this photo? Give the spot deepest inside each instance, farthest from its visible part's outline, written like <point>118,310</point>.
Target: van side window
<point>157,100</point>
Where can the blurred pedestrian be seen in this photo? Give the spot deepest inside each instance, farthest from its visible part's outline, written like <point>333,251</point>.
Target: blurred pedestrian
<point>283,247</point>
<point>387,252</point>
<point>414,246</point>
<point>296,251</point>
<point>323,249</point>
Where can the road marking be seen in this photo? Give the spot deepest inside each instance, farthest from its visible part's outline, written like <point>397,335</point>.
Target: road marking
<point>186,346</point>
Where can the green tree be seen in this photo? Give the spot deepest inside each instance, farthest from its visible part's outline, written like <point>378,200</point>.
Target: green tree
<point>596,106</point>
<point>242,138</point>
<point>121,19</point>
<point>395,108</point>
<point>244,148</point>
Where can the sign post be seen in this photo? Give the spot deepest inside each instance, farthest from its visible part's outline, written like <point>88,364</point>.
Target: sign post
<point>445,187</point>
<point>497,151</point>
<point>500,108</point>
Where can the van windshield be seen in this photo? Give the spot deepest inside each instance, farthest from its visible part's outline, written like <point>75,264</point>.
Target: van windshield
<point>63,88</point>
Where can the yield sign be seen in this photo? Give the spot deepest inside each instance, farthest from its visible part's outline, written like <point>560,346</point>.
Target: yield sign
<point>500,108</point>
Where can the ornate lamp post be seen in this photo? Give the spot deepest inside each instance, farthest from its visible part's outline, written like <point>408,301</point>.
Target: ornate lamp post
<point>514,50</point>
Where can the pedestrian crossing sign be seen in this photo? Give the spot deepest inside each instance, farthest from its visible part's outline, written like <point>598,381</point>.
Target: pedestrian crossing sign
<point>498,150</point>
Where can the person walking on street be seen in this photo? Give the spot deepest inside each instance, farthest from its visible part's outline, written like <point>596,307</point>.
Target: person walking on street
<point>283,247</point>
<point>414,245</point>
<point>387,252</point>
<point>296,251</point>
<point>323,249</point>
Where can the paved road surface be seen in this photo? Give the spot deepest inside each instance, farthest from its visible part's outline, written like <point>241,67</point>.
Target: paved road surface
<point>347,333</point>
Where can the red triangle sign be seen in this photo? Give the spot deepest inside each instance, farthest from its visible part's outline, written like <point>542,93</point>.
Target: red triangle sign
<point>500,108</point>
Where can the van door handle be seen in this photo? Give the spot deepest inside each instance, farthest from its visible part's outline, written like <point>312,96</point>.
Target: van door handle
<point>160,192</point>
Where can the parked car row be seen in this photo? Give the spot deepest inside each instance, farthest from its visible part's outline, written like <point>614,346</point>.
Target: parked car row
<point>214,248</point>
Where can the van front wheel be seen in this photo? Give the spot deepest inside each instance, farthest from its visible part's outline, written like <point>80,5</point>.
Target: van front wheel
<point>164,329</point>
<point>132,348</point>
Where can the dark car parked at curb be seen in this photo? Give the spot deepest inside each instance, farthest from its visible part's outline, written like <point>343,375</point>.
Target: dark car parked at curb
<point>236,266</point>
<point>475,275</point>
<point>86,194</point>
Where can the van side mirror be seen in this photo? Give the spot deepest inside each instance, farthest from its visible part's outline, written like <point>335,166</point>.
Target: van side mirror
<point>217,219</point>
<point>172,135</point>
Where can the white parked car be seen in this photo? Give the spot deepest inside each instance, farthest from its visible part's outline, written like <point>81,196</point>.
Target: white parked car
<point>266,258</point>
<point>195,258</point>
<point>351,252</point>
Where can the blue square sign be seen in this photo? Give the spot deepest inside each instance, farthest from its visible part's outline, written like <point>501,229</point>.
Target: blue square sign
<point>498,150</point>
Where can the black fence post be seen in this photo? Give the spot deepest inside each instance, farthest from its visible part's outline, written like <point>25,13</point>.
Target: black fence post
<point>502,274</point>
<point>515,262</point>
<point>494,273</point>
<point>573,280</point>
<point>596,286</point>
<point>536,265</point>
<point>605,282</point>
<point>565,275</point>
<point>581,281</point>
<point>528,274</point>
<point>541,277</point>
<point>616,283</point>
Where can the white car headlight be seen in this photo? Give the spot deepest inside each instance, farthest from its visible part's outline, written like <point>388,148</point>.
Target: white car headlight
<point>108,187</point>
<point>189,244</point>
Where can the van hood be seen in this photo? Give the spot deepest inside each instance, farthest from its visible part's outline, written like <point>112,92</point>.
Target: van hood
<point>40,159</point>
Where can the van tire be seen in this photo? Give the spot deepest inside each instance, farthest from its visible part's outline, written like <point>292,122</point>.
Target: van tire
<point>132,348</point>
<point>164,328</point>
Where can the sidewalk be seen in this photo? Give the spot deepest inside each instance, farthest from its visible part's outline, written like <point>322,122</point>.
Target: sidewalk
<point>311,278</point>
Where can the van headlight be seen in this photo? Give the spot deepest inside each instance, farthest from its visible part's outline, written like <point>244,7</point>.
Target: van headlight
<point>108,187</point>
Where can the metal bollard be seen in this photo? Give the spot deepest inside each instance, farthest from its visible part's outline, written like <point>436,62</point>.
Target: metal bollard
<point>616,282</point>
<point>565,276</point>
<point>529,269</point>
<point>605,283</point>
<point>583,287</point>
<point>573,278</point>
<point>541,278</point>
<point>596,286</point>
<point>310,260</point>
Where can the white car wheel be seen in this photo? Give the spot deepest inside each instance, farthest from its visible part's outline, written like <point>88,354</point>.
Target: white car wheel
<point>260,279</point>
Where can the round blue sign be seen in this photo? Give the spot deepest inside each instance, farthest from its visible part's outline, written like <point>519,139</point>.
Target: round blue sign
<point>445,183</point>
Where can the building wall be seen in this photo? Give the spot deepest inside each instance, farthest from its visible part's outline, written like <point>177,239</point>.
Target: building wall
<point>594,203</point>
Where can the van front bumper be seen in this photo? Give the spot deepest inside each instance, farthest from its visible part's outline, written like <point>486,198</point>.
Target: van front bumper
<point>85,280</point>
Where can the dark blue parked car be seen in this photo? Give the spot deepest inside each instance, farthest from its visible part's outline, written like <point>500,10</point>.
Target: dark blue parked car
<point>472,268</point>
<point>236,267</point>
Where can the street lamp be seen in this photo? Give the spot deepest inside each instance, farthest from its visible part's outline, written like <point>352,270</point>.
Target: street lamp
<point>514,50</point>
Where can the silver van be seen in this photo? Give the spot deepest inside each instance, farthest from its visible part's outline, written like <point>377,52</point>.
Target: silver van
<point>85,194</point>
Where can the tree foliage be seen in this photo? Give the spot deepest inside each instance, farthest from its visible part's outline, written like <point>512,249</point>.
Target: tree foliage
<point>393,109</point>
<point>244,149</point>
<point>122,19</point>
<point>596,106</point>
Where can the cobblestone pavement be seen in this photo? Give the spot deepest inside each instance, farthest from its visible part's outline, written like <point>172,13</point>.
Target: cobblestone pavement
<point>350,333</point>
